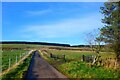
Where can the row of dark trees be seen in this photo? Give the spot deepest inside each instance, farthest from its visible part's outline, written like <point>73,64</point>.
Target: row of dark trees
<point>37,43</point>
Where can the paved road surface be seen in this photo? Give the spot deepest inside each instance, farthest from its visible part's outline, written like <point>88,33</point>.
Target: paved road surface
<point>40,69</point>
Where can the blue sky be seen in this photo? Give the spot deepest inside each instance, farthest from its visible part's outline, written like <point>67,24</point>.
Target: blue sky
<point>58,22</point>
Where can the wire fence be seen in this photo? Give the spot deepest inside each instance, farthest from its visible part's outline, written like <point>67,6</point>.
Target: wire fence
<point>11,60</point>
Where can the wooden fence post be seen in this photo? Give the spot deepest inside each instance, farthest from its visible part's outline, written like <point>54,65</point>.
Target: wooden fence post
<point>64,57</point>
<point>50,55</point>
<point>83,57</point>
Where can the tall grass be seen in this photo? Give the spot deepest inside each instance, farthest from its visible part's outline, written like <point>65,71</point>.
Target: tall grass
<point>77,69</point>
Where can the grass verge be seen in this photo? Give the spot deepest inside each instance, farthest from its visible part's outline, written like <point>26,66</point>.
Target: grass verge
<point>19,72</point>
<point>78,69</point>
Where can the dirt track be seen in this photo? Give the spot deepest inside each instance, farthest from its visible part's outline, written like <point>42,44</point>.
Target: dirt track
<point>40,69</point>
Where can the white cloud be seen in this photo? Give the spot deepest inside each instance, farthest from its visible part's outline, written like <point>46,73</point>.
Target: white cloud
<point>40,12</point>
<point>65,28</point>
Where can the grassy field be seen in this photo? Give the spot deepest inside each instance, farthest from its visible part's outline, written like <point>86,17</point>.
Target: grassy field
<point>78,69</point>
<point>11,56</point>
<point>23,46</point>
<point>76,55</point>
<point>75,68</point>
<point>72,68</point>
<point>19,72</point>
<point>11,53</point>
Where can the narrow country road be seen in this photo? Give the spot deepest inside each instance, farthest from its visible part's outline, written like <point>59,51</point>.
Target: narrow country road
<point>40,69</point>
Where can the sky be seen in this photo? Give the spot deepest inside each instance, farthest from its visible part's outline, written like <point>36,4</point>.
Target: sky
<point>53,22</point>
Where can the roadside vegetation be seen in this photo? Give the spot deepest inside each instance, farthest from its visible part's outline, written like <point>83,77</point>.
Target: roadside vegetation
<point>10,57</point>
<point>19,72</point>
<point>78,69</point>
<point>73,67</point>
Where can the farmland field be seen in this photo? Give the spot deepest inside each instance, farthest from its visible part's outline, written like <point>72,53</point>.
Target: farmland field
<point>75,68</point>
<point>22,46</point>
<point>12,53</point>
<point>10,57</point>
<point>71,54</point>
<point>19,71</point>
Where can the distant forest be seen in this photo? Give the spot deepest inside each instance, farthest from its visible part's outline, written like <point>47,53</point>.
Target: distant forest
<point>42,43</point>
<point>37,43</point>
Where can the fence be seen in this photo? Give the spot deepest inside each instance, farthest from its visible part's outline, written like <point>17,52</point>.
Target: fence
<point>107,63</point>
<point>58,56</point>
<point>50,55</point>
<point>16,64</point>
<point>87,58</point>
<point>12,60</point>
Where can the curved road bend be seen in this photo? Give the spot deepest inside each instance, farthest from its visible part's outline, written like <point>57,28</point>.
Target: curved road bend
<point>40,69</point>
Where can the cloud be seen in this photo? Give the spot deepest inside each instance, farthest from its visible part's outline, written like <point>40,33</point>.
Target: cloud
<point>65,27</point>
<point>41,12</point>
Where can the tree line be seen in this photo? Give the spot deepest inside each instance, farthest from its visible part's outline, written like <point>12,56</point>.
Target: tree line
<point>37,43</point>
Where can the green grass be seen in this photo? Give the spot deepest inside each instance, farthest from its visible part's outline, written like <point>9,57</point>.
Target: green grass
<point>23,46</point>
<point>75,68</point>
<point>76,55</point>
<point>19,71</point>
<point>8,54</point>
